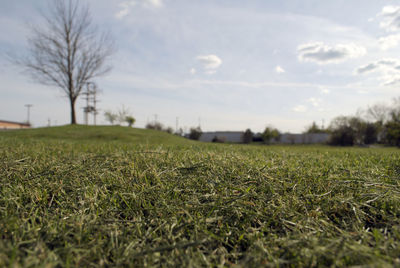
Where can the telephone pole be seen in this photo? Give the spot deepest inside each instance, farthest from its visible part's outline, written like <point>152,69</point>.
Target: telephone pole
<point>91,101</point>
<point>28,106</point>
<point>94,104</point>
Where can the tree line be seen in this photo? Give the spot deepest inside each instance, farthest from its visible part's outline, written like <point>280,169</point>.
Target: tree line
<point>376,124</point>
<point>379,123</point>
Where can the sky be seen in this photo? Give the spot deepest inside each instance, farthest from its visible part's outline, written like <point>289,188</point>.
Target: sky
<point>223,64</point>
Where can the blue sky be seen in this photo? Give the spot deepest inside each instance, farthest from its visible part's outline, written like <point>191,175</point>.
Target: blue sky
<point>229,64</point>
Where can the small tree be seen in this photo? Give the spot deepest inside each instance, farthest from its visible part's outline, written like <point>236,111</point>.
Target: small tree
<point>110,116</point>
<point>130,120</point>
<point>314,128</point>
<point>195,133</point>
<point>122,114</point>
<point>270,134</point>
<point>247,136</point>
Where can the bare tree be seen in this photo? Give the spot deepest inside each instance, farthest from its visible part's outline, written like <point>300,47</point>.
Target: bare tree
<point>378,112</point>
<point>68,52</point>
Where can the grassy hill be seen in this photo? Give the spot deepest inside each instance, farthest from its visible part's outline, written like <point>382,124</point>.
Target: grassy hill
<point>81,133</point>
<point>114,196</point>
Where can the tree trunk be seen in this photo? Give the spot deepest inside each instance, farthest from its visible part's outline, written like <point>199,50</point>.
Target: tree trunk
<point>73,116</point>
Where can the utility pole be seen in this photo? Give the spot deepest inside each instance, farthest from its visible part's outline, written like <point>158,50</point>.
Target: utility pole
<point>94,104</point>
<point>86,109</point>
<point>28,106</point>
<point>155,118</point>
<point>91,101</point>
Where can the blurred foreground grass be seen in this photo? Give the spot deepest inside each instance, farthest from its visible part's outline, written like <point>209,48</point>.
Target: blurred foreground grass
<point>113,196</point>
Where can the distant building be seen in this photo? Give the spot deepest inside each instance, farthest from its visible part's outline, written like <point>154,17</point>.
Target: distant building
<point>4,125</point>
<point>222,136</point>
<point>285,138</point>
<point>305,138</point>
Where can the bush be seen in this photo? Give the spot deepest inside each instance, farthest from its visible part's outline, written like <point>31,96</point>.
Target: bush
<point>247,136</point>
<point>155,126</point>
<point>195,133</point>
<point>351,130</point>
<point>371,133</point>
<point>130,120</point>
<point>343,136</point>
<point>393,133</point>
<point>270,134</point>
<point>218,139</point>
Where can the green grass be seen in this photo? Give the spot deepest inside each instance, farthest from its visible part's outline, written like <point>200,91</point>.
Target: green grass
<point>114,196</point>
<point>84,134</point>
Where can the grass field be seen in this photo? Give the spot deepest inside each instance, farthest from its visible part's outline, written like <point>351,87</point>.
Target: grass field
<point>113,196</point>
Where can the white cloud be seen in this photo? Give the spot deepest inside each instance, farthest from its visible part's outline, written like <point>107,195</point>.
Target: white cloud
<point>210,63</point>
<point>279,70</point>
<point>391,79</point>
<point>126,6</point>
<point>322,54</point>
<point>390,18</point>
<point>388,69</point>
<point>125,9</point>
<point>316,102</point>
<point>389,41</point>
<point>193,71</point>
<point>382,65</point>
<point>325,91</point>
<point>299,109</point>
<point>367,68</point>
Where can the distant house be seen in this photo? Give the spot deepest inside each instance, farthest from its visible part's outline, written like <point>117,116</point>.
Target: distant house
<point>305,138</point>
<point>4,125</point>
<point>222,136</point>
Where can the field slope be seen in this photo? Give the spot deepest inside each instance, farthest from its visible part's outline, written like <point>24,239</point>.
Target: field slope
<point>115,196</point>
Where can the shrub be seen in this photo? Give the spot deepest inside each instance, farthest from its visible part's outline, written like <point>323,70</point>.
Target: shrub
<point>130,120</point>
<point>270,134</point>
<point>155,126</point>
<point>195,133</point>
<point>247,136</point>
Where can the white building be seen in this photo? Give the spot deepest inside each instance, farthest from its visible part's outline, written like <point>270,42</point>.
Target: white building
<point>305,138</point>
<point>222,136</point>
